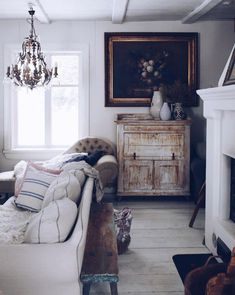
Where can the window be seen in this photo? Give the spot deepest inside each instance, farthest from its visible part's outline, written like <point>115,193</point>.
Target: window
<point>47,119</point>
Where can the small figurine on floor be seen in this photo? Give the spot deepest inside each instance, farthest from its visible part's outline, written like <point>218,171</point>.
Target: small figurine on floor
<point>122,220</point>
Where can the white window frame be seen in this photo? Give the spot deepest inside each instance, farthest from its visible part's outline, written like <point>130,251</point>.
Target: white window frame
<point>10,52</point>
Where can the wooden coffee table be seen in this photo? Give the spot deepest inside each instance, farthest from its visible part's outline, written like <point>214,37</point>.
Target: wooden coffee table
<point>100,262</point>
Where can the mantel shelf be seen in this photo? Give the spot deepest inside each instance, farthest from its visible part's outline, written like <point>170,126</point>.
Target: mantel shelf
<point>217,93</point>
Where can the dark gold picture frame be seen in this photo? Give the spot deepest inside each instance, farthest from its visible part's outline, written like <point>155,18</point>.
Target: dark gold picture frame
<point>230,74</point>
<point>174,56</point>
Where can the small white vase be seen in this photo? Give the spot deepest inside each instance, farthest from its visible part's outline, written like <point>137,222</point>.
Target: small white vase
<point>156,105</point>
<point>165,112</point>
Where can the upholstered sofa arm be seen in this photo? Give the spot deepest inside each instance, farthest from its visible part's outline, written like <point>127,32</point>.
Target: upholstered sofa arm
<point>108,170</point>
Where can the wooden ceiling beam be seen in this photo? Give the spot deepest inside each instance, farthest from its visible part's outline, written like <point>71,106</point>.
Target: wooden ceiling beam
<point>119,11</point>
<point>201,10</point>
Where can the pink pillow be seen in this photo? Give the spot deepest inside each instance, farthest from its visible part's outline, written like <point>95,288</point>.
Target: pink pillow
<point>41,168</point>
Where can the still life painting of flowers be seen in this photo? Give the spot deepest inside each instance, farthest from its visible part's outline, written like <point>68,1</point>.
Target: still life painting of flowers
<point>152,70</point>
<point>136,64</point>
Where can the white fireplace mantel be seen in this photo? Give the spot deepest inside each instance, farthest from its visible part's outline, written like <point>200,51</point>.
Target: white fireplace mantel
<point>219,110</point>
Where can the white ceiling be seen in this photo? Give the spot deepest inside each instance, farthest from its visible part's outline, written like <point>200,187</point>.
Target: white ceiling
<point>119,11</point>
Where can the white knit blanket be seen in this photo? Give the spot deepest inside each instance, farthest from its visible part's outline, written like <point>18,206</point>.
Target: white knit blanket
<point>13,223</point>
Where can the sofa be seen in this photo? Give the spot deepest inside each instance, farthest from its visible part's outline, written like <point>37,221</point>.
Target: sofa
<point>54,268</point>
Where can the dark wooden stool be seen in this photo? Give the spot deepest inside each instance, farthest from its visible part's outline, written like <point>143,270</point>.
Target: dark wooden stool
<point>100,259</point>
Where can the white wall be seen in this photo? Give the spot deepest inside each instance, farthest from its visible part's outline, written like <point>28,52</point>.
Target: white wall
<point>215,39</point>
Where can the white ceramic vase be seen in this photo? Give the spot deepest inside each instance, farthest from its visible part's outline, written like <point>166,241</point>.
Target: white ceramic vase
<point>165,112</point>
<point>156,105</point>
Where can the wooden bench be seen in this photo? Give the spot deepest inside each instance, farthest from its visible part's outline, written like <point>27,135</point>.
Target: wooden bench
<point>100,258</point>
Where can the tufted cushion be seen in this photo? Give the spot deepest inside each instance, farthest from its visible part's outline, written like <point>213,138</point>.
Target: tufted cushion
<point>91,144</point>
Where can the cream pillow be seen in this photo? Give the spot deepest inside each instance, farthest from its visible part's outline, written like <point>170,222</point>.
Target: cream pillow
<point>65,185</point>
<point>53,223</point>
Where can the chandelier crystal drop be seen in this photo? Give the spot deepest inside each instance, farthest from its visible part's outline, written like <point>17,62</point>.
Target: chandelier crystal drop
<point>31,69</point>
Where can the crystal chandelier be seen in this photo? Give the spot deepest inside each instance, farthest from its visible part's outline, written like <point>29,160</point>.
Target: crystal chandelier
<point>31,69</point>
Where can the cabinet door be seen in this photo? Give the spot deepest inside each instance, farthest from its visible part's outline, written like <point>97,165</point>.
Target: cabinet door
<point>138,175</point>
<point>169,175</point>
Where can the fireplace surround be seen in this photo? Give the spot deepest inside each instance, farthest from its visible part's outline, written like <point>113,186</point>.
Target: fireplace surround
<point>232,191</point>
<point>219,110</point>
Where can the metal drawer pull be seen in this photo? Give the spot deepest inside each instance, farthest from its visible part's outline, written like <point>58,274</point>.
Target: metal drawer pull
<point>173,156</point>
<point>134,156</point>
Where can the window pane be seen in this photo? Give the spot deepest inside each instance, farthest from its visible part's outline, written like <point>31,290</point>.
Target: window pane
<point>68,69</point>
<point>31,116</point>
<point>64,115</point>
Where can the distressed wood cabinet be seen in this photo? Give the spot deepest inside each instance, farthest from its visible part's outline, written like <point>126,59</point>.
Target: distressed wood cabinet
<point>153,156</point>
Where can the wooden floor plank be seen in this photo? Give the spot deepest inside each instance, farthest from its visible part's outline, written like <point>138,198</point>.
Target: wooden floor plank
<point>150,283</point>
<point>159,218</point>
<point>155,204</point>
<point>154,261</point>
<point>159,238</point>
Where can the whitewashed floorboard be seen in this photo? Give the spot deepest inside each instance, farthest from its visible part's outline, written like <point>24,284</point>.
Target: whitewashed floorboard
<point>156,204</point>
<point>160,238</point>
<point>154,261</point>
<point>159,218</point>
<point>159,231</point>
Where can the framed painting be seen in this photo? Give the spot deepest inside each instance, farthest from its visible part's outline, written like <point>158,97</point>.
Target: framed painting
<point>136,64</point>
<point>230,73</point>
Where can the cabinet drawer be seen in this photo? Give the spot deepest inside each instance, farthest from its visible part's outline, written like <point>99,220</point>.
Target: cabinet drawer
<point>158,138</point>
<point>156,128</point>
<point>153,144</point>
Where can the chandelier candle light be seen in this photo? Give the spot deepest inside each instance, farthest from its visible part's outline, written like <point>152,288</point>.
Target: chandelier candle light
<point>31,69</point>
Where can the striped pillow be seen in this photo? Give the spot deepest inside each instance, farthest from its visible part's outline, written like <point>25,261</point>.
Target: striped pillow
<point>34,186</point>
<point>53,223</point>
